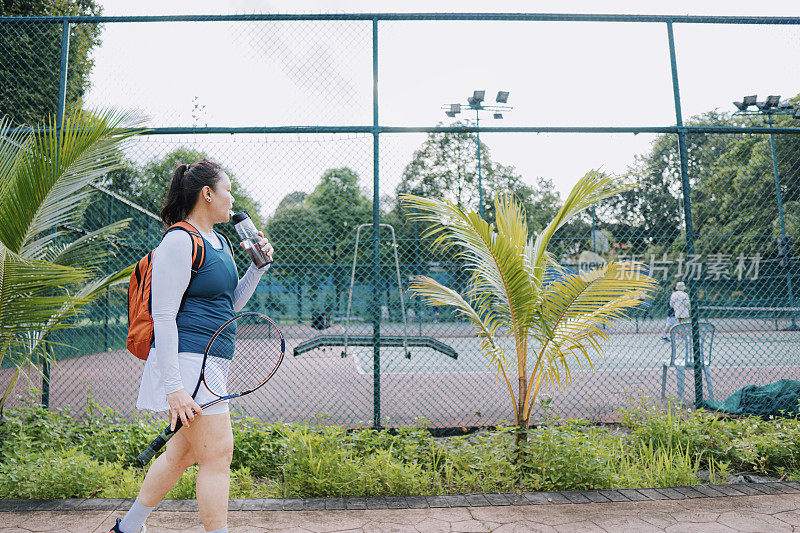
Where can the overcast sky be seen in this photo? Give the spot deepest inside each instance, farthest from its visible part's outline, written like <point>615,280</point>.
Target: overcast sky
<point>316,73</point>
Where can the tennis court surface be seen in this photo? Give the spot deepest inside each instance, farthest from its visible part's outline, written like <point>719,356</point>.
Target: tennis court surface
<point>431,386</point>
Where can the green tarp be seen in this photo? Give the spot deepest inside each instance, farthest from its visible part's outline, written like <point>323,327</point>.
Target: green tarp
<point>781,398</point>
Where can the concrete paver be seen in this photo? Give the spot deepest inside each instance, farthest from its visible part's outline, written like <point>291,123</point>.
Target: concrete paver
<point>760,513</point>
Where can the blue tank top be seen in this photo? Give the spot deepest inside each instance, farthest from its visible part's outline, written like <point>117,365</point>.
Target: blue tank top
<point>209,303</point>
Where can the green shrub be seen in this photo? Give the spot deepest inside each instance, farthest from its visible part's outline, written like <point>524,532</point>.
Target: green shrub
<point>646,465</point>
<point>256,446</point>
<point>242,485</point>
<point>748,444</point>
<point>48,454</point>
<point>567,458</point>
<point>60,474</point>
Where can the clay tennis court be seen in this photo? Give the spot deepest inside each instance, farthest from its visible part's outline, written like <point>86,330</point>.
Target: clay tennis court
<point>320,385</point>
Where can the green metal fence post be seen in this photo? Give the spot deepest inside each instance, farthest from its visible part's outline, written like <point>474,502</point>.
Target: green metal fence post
<point>62,98</point>
<point>106,270</point>
<point>418,262</point>
<point>480,177</point>
<point>376,236</point>
<point>782,220</point>
<point>687,215</point>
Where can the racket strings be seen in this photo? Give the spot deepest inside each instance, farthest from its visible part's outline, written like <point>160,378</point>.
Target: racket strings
<point>242,355</point>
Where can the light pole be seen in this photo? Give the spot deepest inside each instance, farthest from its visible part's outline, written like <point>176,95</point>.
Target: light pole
<point>768,108</point>
<point>475,102</point>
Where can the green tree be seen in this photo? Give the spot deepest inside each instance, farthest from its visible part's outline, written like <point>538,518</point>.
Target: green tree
<point>292,199</point>
<point>47,276</point>
<point>733,197</point>
<point>314,234</point>
<point>147,186</point>
<point>297,232</point>
<point>445,166</point>
<point>514,293</point>
<point>341,207</point>
<point>30,55</point>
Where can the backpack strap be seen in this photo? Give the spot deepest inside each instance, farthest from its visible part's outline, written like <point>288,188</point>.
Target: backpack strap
<point>230,246</point>
<point>198,250</point>
<point>198,244</point>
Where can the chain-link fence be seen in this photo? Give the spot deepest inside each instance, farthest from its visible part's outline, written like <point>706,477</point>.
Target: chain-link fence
<point>317,154</point>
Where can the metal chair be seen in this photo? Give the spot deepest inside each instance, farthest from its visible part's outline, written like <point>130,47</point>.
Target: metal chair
<point>680,336</point>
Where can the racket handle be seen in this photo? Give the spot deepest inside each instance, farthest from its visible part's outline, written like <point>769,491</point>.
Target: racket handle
<point>147,455</point>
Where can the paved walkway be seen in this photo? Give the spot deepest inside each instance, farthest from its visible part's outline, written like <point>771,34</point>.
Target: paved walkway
<point>669,510</point>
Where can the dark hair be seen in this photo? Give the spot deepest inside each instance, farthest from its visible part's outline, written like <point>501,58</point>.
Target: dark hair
<point>187,182</point>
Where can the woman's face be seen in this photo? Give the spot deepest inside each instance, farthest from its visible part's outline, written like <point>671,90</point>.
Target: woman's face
<point>221,199</point>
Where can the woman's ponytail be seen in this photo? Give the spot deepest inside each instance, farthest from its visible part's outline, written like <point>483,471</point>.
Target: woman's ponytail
<point>187,182</point>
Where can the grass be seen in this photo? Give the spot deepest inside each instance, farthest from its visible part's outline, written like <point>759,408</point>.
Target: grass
<point>52,455</point>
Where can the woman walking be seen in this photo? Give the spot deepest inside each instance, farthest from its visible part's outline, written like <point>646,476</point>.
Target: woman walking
<point>186,311</point>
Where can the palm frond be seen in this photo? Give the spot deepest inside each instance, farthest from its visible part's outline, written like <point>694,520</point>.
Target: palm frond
<point>12,143</point>
<point>484,323</point>
<point>435,294</point>
<point>95,287</point>
<point>574,309</point>
<point>49,185</point>
<point>593,187</point>
<point>496,260</point>
<point>31,293</point>
<point>90,250</point>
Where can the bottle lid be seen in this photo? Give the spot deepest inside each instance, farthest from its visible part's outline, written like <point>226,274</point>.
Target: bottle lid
<point>238,217</point>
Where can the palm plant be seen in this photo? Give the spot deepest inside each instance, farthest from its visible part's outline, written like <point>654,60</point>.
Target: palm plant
<point>46,276</point>
<point>518,290</point>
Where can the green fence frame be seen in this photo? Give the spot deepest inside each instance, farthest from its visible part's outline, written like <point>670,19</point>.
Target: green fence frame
<point>376,129</point>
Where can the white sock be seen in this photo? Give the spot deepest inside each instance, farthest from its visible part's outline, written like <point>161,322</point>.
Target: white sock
<point>223,529</point>
<point>135,518</point>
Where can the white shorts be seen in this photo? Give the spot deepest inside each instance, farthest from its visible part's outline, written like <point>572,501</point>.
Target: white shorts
<point>153,397</point>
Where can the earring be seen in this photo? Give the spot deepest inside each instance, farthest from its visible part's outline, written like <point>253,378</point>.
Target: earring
<point>208,199</point>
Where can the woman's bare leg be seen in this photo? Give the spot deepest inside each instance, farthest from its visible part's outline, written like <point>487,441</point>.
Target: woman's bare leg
<point>166,470</point>
<point>211,440</point>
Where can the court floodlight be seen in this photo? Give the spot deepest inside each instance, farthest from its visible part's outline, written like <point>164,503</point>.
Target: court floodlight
<point>786,104</point>
<point>746,102</point>
<point>498,115</point>
<point>472,102</point>
<point>502,97</point>
<point>455,109</point>
<point>478,96</point>
<point>773,100</point>
<point>450,114</point>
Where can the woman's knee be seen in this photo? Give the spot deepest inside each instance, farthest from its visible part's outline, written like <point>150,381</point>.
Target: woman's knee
<point>180,456</point>
<point>219,454</point>
<point>212,440</point>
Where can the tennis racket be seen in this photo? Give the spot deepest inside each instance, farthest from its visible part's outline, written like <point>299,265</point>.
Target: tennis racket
<point>242,355</point>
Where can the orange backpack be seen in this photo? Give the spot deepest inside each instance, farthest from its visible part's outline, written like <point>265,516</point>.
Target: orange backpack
<point>140,318</point>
